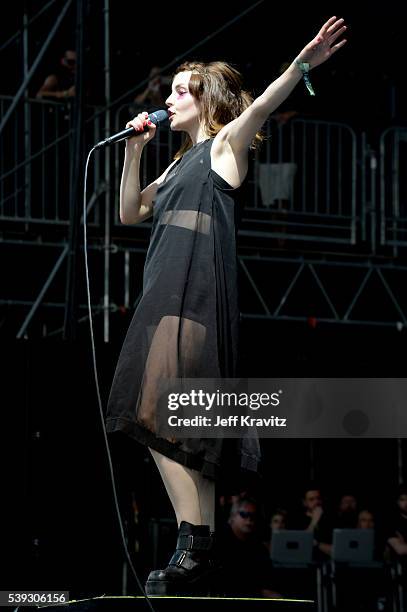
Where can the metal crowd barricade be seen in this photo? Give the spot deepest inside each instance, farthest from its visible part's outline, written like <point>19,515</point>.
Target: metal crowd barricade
<point>303,185</point>
<point>305,182</point>
<point>35,162</point>
<point>393,187</point>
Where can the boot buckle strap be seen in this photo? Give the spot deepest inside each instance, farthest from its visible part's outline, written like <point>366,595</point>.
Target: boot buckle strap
<point>181,558</point>
<point>187,542</point>
<point>191,542</point>
<point>184,559</point>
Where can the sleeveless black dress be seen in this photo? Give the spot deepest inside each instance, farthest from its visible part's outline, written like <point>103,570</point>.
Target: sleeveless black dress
<point>186,323</point>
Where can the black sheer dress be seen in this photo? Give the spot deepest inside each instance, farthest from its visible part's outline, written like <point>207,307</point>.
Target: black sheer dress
<point>186,323</point>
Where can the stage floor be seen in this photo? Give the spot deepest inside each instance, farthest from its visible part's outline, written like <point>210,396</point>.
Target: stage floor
<point>164,604</point>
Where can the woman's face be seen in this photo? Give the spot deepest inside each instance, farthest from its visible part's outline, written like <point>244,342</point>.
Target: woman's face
<point>277,522</point>
<point>365,520</point>
<point>402,503</point>
<point>182,106</point>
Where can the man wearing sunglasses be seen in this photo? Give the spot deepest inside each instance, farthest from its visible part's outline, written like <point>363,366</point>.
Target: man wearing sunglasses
<point>60,85</point>
<point>245,559</point>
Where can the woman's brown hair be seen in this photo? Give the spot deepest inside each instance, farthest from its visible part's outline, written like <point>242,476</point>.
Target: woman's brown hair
<point>218,88</point>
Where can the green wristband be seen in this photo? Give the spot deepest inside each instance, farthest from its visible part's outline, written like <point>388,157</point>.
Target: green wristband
<point>304,68</point>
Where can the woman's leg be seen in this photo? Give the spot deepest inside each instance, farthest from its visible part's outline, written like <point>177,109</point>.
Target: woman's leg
<point>192,496</point>
<point>191,567</point>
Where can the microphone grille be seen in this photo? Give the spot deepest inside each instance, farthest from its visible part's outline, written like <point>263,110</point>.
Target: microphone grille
<point>158,116</point>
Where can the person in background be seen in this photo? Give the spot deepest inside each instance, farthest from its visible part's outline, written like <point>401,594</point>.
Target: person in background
<point>365,520</point>
<point>314,518</point>
<point>154,95</point>
<point>247,570</point>
<point>60,85</point>
<point>278,522</point>
<point>228,498</point>
<point>398,531</point>
<point>347,512</point>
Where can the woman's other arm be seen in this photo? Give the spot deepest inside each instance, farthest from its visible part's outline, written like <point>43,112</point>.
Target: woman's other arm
<point>137,205</point>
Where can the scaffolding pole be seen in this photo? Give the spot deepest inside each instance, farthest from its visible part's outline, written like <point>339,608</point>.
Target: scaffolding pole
<point>76,177</point>
<point>108,193</point>
<point>34,66</point>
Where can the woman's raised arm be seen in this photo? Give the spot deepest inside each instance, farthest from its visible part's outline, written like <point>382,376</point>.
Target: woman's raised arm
<point>240,132</point>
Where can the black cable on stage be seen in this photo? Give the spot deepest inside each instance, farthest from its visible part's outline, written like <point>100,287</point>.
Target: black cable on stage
<point>95,371</point>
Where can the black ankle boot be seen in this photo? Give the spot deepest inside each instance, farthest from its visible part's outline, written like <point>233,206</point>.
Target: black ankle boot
<point>191,566</point>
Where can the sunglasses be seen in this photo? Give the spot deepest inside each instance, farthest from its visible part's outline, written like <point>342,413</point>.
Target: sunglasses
<point>70,62</point>
<point>246,515</point>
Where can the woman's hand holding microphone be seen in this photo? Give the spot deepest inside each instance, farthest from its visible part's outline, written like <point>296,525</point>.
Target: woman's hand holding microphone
<point>139,123</point>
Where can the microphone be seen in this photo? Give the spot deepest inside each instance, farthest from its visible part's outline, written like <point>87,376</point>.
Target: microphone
<point>157,117</point>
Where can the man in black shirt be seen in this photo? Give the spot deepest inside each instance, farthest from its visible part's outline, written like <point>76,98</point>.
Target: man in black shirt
<point>314,518</point>
<point>347,513</point>
<point>246,561</point>
<point>60,85</point>
<point>398,534</point>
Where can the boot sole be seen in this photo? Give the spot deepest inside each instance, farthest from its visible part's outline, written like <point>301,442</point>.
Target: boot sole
<point>201,585</point>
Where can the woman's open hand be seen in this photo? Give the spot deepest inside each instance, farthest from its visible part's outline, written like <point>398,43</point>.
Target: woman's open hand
<point>322,46</point>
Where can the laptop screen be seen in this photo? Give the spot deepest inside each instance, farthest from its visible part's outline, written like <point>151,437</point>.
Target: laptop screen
<point>353,545</point>
<point>291,546</point>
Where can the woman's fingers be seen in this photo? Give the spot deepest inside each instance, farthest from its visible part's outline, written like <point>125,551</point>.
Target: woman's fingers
<point>329,28</point>
<point>326,26</point>
<point>338,46</point>
<point>335,25</point>
<point>332,38</point>
<point>138,122</point>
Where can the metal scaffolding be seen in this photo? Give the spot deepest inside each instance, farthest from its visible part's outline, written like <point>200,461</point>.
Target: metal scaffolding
<point>317,210</point>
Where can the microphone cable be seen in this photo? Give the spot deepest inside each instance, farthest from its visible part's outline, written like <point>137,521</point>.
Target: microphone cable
<point>95,371</point>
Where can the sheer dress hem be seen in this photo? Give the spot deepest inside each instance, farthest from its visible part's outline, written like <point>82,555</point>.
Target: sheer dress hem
<point>209,469</point>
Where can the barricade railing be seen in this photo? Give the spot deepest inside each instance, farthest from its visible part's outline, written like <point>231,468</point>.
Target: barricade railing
<point>35,162</point>
<point>393,187</point>
<point>303,183</point>
<point>310,181</point>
